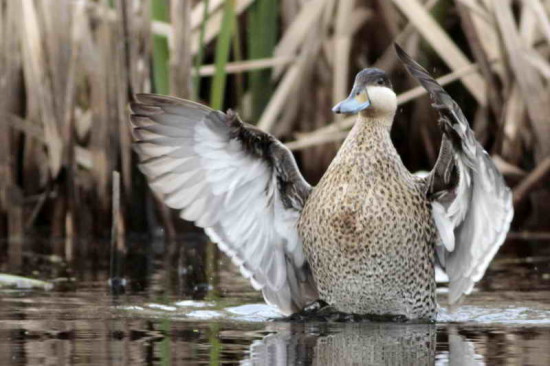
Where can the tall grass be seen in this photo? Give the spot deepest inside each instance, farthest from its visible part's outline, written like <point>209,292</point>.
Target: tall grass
<point>200,55</point>
<point>67,68</point>
<point>223,47</point>
<point>261,41</point>
<point>161,77</point>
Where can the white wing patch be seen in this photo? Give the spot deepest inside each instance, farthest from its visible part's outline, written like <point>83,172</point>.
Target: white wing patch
<point>475,223</point>
<point>196,166</point>
<point>444,226</point>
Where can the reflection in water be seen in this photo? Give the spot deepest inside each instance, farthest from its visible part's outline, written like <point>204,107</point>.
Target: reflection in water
<point>347,344</point>
<point>58,329</point>
<point>462,351</point>
<point>84,325</point>
<point>358,344</point>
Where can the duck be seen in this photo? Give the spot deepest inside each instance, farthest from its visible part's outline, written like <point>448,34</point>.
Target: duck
<point>366,239</point>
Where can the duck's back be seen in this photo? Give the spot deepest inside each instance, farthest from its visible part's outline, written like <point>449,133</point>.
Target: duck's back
<point>368,233</point>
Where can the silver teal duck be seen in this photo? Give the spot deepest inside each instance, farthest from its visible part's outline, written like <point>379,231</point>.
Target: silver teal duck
<point>367,238</point>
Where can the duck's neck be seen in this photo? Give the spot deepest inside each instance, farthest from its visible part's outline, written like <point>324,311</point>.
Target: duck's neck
<point>369,134</point>
<point>369,145</point>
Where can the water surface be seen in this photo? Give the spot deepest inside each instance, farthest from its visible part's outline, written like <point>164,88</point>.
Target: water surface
<point>170,317</point>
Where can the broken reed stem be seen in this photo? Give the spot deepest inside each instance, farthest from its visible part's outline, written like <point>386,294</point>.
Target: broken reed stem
<point>117,243</point>
<point>243,66</point>
<point>527,235</point>
<point>115,208</point>
<point>531,182</point>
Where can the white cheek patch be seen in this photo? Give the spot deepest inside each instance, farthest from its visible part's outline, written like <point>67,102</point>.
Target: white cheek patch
<point>382,98</point>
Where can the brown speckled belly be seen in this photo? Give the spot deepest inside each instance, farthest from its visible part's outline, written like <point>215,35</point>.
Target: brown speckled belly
<point>368,236</point>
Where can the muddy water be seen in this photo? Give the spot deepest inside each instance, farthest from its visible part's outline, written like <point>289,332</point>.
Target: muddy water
<point>165,318</point>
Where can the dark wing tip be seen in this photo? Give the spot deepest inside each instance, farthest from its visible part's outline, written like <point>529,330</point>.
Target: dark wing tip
<point>421,74</point>
<point>413,66</point>
<point>403,56</point>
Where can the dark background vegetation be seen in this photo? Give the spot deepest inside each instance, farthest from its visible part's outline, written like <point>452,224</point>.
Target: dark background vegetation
<point>68,69</point>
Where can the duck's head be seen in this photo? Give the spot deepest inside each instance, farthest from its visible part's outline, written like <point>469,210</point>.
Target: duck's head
<point>372,95</point>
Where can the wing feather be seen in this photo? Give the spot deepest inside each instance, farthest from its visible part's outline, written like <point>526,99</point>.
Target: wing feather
<point>471,204</point>
<point>227,177</point>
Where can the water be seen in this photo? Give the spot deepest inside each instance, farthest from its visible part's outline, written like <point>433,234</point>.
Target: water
<point>157,322</point>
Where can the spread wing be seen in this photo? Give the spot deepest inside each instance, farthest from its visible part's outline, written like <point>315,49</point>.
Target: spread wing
<point>471,204</point>
<point>240,184</point>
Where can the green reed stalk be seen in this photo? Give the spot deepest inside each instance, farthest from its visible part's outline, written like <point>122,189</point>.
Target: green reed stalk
<point>161,52</point>
<point>262,39</point>
<point>200,54</point>
<point>223,46</point>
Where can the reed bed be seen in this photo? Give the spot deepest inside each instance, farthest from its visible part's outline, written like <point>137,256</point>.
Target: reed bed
<point>68,70</point>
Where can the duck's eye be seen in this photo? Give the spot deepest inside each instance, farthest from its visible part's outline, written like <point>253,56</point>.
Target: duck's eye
<point>380,81</point>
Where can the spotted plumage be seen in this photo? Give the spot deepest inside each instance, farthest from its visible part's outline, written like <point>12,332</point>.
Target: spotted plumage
<point>364,240</point>
<point>367,230</point>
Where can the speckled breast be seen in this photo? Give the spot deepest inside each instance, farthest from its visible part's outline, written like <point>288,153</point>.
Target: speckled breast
<point>368,235</point>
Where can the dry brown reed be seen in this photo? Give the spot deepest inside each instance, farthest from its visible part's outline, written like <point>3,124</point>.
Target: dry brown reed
<point>68,69</point>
